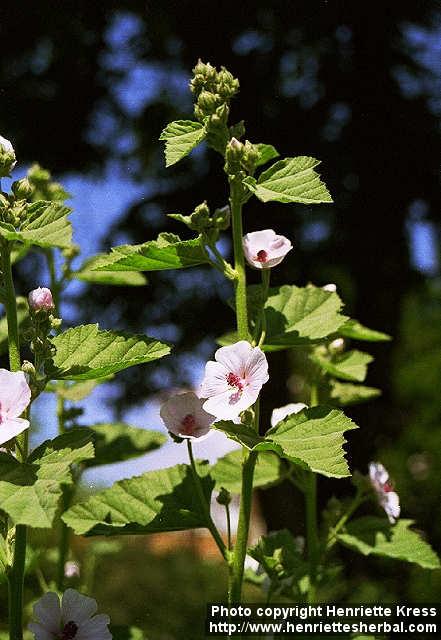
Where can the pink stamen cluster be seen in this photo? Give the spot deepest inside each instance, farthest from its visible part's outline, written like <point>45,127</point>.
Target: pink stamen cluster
<point>262,256</point>
<point>188,424</point>
<point>69,631</point>
<point>235,381</point>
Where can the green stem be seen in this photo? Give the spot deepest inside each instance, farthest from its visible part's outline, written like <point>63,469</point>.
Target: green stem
<point>55,285</point>
<point>266,275</point>
<point>204,504</point>
<point>332,536</point>
<point>228,515</point>
<point>239,258</point>
<point>240,550</point>
<point>311,517</point>
<point>16,573</point>
<point>67,494</point>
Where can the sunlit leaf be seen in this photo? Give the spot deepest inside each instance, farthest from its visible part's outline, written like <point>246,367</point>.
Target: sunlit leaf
<point>181,136</point>
<point>227,471</point>
<point>115,442</point>
<point>290,180</point>
<point>266,153</point>
<point>351,365</point>
<point>355,330</point>
<point>346,394</point>
<point>46,225</point>
<point>88,273</point>
<point>85,352</point>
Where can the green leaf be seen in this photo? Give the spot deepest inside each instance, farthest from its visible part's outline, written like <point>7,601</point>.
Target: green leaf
<point>85,352</point>
<point>227,471</point>
<point>290,180</point>
<point>279,555</point>
<point>88,273</point>
<point>46,225</point>
<point>300,315</point>
<point>127,633</point>
<point>351,365</point>
<point>370,535</point>
<point>346,394</point>
<point>29,492</point>
<point>157,501</point>
<point>77,390</point>
<point>353,329</point>
<point>181,136</point>
<point>266,153</point>
<point>313,438</point>
<point>167,252</point>
<point>119,441</point>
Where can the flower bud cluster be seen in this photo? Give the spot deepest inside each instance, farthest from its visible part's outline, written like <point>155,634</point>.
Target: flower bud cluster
<point>7,157</point>
<point>213,90</point>
<point>44,188</point>
<point>202,221</point>
<point>43,321</point>
<point>240,157</point>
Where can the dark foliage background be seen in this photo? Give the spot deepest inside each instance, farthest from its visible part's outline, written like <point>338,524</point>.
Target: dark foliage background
<point>354,84</point>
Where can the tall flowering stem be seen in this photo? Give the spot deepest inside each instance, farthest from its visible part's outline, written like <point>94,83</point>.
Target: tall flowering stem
<point>16,573</point>
<point>249,458</point>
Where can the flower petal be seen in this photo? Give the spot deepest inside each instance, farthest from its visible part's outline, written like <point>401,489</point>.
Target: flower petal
<point>77,607</point>
<point>41,633</point>
<point>256,367</point>
<point>280,413</point>
<point>234,357</point>
<point>215,380</point>
<point>94,629</point>
<point>15,394</point>
<point>48,613</point>
<point>11,427</point>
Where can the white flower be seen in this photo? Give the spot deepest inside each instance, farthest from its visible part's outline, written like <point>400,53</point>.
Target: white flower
<point>7,157</point>
<point>184,416</point>
<point>75,619</point>
<point>282,412</point>
<point>15,395</point>
<point>330,287</point>
<point>40,299</point>
<point>233,382</point>
<point>386,495</point>
<point>265,249</point>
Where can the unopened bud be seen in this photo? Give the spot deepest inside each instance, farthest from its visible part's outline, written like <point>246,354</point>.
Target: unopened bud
<point>22,189</point>
<point>28,368</point>
<point>200,218</point>
<point>41,299</point>
<point>7,157</point>
<point>221,218</point>
<point>337,345</point>
<point>233,156</point>
<point>208,102</point>
<point>224,497</point>
<point>330,287</point>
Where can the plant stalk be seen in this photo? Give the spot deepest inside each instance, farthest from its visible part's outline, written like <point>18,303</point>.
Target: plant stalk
<point>16,573</point>
<point>312,538</point>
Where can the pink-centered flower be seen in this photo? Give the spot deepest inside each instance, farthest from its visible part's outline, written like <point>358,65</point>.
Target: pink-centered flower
<point>265,249</point>
<point>283,412</point>
<point>40,299</point>
<point>383,487</point>
<point>233,382</point>
<point>15,395</point>
<point>184,416</point>
<point>73,619</point>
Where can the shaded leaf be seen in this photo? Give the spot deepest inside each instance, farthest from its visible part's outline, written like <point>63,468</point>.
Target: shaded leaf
<point>181,136</point>
<point>88,273</point>
<point>157,501</point>
<point>290,180</point>
<point>76,391</point>
<point>353,329</point>
<point>266,153</point>
<point>227,471</point>
<point>85,352</point>
<point>346,394</point>
<point>279,555</point>
<point>351,365</point>
<point>118,441</point>
<point>370,535</point>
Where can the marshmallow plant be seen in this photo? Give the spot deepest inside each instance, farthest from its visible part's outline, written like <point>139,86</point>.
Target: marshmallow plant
<point>303,442</point>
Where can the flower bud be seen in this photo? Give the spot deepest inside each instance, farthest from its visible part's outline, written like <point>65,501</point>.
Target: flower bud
<point>336,346</point>
<point>224,497</point>
<point>71,569</point>
<point>22,189</point>
<point>331,287</point>
<point>7,157</point>
<point>208,102</point>
<point>41,300</point>
<point>221,218</point>
<point>233,156</point>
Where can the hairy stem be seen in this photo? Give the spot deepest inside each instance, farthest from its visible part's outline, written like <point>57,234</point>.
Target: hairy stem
<point>239,258</point>
<point>204,504</point>
<point>64,531</point>
<point>312,539</point>
<point>16,573</point>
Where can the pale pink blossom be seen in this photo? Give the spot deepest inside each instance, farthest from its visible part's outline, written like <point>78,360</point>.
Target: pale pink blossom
<point>283,412</point>
<point>71,569</point>
<point>331,287</point>
<point>184,416</point>
<point>15,395</point>
<point>40,299</point>
<point>386,495</point>
<point>265,249</point>
<point>233,383</point>
<point>74,619</point>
